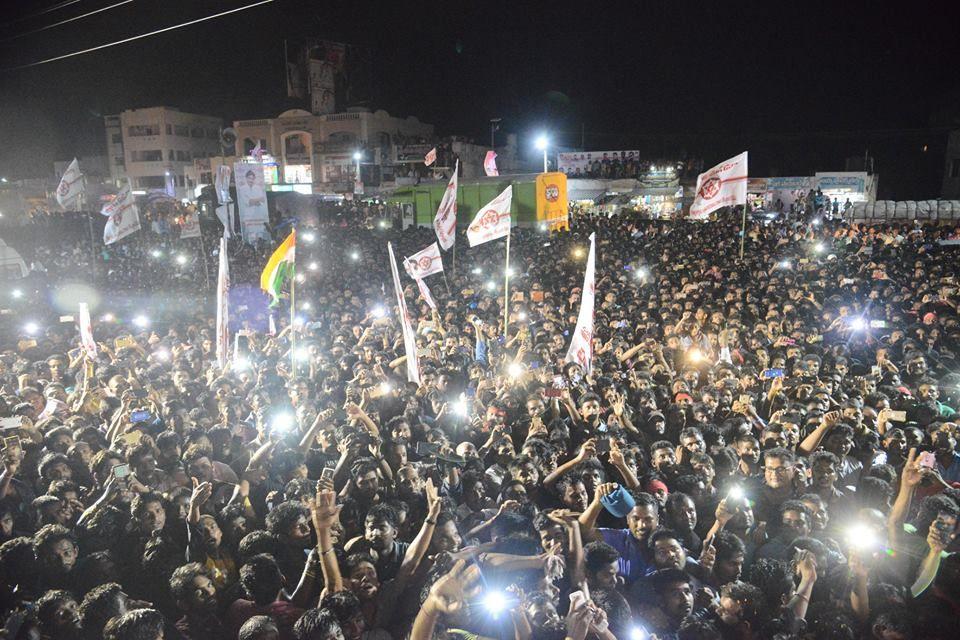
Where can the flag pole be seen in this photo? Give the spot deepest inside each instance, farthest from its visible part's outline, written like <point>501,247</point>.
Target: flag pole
<point>293,309</point>
<point>506,290</point>
<point>93,247</point>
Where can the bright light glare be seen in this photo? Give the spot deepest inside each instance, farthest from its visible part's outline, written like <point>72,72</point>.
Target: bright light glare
<point>386,387</point>
<point>819,248</point>
<point>735,493</point>
<point>31,328</point>
<point>16,293</point>
<point>301,278</point>
<point>695,355</point>
<point>357,156</point>
<point>241,364</point>
<point>510,271</point>
<point>578,252</point>
<point>383,224</point>
<point>156,253</point>
<point>542,226</point>
<point>108,317</point>
<point>514,370</point>
<point>638,634</point>
<point>302,354</point>
<point>181,259</point>
<point>784,264</point>
<point>862,537</point>
<point>522,315</point>
<point>460,407</point>
<point>309,236</point>
<point>542,142</point>
<point>282,422</point>
<point>378,312</point>
<point>476,271</point>
<point>495,602</point>
<point>313,266</point>
<point>162,355</point>
<point>816,222</point>
<point>491,285</point>
<point>858,324</point>
<point>306,306</point>
<point>141,321</point>
<point>354,256</point>
<point>642,273</point>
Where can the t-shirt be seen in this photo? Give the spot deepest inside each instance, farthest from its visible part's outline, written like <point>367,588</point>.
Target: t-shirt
<point>632,564</point>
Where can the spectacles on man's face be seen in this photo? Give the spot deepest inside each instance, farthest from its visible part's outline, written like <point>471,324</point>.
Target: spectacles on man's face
<point>780,471</point>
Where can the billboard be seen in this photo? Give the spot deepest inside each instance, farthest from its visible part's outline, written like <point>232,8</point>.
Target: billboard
<point>583,162</point>
<point>331,75</point>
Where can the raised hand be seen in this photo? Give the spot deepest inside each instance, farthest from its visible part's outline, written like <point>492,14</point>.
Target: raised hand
<point>324,510</point>
<point>449,594</point>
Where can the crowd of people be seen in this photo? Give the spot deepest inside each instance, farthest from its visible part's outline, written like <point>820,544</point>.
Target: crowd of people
<point>762,448</point>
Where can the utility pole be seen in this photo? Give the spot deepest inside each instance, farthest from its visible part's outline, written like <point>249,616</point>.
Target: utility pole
<point>494,125</point>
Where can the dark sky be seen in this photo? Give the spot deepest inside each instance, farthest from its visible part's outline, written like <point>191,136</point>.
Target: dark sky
<point>801,86</point>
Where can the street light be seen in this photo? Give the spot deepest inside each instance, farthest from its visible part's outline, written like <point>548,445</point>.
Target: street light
<point>542,143</point>
<point>358,156</point>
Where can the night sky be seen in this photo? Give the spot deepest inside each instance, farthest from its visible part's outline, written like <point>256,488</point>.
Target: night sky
<point>801,87</point>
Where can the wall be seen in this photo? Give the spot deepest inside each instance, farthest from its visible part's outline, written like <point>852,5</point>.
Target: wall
<point>951,168</point>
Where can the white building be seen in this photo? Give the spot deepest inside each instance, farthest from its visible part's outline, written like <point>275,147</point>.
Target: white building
<point>154,146</point>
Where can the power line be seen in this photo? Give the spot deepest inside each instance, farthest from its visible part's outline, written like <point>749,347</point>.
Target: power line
<point>42,11</point>
<point>137,37</point>
<point>57,24</point>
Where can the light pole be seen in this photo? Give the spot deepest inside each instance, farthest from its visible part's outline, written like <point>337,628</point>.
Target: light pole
<point>542,143</point>
<point>358,156</point>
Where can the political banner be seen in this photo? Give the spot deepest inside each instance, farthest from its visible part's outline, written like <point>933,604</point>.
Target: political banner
<point>70,188</point>
<point>222,184</point>
<point>424,263</point>
<point>431,157</point>
<point>425,292</point>
<point>725,185</point>
<point>123,217</point>
<point>581,343</point>
<point>251,195</point>
<point>552,203</point>
<point>492,220</point>
<point>582,163</point>
<point>191,226</point>
<point>445,222</point>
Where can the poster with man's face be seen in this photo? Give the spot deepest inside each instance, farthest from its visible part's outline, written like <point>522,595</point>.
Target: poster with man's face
<point>251,194</point>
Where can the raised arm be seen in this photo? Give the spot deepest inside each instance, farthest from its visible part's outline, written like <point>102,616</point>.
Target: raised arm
<point>325,512</point>
<point>418,547</point>
<point>812,441</point>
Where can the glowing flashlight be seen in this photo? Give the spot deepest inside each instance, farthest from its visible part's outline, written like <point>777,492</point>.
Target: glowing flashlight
<point>141,321</point>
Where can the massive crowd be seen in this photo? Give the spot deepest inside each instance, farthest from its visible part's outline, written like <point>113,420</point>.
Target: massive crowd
<point>764,448</point>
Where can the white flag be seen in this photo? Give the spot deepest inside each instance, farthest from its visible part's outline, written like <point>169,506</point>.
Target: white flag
<point>124,218</point>
<point>724,185</point>
<point>225,216</point>
<point>431,157</point>
<point>222,183</point>
<point>445,222</point>
<point>424,263</point>
<point>492,220</point>
<point>425,292</point>
<point>223,306</point>
<point>490,164</point>
<point>86,332</point>
<point>581,344</point>
<point>191,226</point>
<point>409,337</point>
<point>71,187</point>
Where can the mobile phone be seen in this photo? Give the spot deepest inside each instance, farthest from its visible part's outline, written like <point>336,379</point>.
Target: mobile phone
<point>745,399</point>
<point>140,416</point>
<point>552,392</point>
<point>773,373</point>
<point>789,341</point>
<point>878,324</point>
<point>327,473</point>
<point>12,443</point>
<point>898,416</point>
<point>139,393</point>
<point>927,460</point>
<point>577,600</point>
<point>121,471</point>
<point>603,445</point>
<point>876,371</point>
<point>427,448</point>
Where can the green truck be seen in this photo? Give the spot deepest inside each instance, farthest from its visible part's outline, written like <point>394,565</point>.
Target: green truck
<point>471,195</point>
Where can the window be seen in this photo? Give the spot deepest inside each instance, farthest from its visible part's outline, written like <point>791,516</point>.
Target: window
<point>206,178</point>
<point>169,130</point>
<point>139,130</point>
<point>146,155</point>
<point>152,182</point>
<point>119,161</point>
<point>170,154</point>
<point>196,132</point>
<point>181,130</point>
<point>955,168</point>
<point>183,156</point>
<point>213,134</point>
<point>116,138</point>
